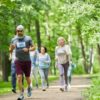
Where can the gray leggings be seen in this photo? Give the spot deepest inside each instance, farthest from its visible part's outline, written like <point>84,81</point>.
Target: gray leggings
<point>44,76</point>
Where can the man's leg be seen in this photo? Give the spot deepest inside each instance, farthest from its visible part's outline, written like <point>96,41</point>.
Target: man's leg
<point>20,86</point>
<point>13,75</point>
<point>28,79</point>
<point>19,72</point>
<point>29,89</point>
<point>27,71</point>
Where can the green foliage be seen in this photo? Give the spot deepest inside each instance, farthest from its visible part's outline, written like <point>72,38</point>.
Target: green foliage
<point>96,67</point>
<point>93,93</point>
<point>5,87</point>
<point>56,18</point>
<point>79,70</point>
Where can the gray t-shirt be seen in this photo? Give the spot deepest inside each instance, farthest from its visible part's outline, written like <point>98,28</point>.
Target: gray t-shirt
<point>62,53</point>
<point>20,43</point>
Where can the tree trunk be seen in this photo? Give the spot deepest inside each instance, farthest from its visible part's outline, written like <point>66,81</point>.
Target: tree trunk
<point>29,23</point>
<point>29,27</point>
<point>91,60</point>
<point>98,49</point>
<point>37,27</point>
<point>0,66</point>
<point>47,25</point>
<point>16,20</point>
<point>5,66</point>
<point>78,27</point>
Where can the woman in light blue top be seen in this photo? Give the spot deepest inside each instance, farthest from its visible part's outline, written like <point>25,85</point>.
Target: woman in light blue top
<point>43,61</point>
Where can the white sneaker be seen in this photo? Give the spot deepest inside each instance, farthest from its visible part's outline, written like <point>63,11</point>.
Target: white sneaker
<point>69,87</point>
<point>65,88</point>
<point>21,97</point>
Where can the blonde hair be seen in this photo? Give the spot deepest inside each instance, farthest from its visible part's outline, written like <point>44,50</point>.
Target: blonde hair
<point>61,38</point>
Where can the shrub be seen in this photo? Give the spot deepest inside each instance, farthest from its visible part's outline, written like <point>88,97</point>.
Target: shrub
<point>93,93</point>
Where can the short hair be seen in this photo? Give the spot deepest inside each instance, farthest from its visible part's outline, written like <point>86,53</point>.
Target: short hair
<point>20,27</point>
<point>60,38</point>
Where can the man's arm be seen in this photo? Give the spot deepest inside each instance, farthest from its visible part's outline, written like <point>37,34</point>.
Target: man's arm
<point>32,48</point>
<point>11,48</point>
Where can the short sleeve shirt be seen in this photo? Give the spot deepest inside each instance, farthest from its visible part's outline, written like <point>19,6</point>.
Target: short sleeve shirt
<point>62,53</point>
<point>20,43</point>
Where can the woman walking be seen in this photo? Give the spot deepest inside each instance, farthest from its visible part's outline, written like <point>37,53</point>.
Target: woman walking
<point>43,61</point>
<point>62,56</point>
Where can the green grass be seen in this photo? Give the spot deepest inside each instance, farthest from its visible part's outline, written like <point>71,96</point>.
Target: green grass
<point>5,87</point>
<point>93,93</point>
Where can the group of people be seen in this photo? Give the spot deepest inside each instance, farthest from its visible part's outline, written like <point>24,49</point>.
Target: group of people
<point>28,61</point>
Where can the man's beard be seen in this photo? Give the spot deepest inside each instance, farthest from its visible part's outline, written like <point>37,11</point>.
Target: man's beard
<point>20,36</point>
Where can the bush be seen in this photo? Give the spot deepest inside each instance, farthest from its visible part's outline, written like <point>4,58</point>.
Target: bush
<point>79,70</point>
<point>93,93</point>
<point>96,67</point>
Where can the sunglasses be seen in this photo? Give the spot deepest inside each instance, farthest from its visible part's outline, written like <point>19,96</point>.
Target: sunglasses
<point>19,30</point>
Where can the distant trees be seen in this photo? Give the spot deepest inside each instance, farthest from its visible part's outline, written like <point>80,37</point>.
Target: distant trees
<point>49,19</point>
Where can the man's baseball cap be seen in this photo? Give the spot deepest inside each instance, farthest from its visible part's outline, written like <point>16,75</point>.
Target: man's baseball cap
<point>20,27</point>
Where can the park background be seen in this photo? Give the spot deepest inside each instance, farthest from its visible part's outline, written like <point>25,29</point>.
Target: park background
<point>78,21</point>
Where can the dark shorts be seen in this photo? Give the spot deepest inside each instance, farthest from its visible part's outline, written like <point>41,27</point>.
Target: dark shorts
<point>23,67</point>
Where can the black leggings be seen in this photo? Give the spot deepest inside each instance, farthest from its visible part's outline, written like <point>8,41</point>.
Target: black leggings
<point>65,66</point>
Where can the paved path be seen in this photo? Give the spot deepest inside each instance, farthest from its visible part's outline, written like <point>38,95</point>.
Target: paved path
<point>53,93</point>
